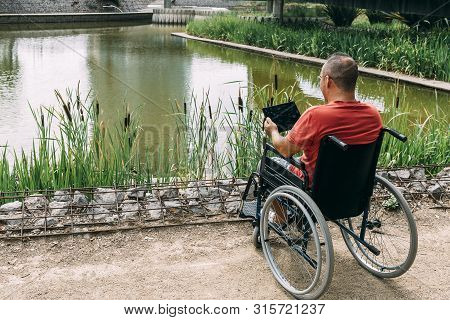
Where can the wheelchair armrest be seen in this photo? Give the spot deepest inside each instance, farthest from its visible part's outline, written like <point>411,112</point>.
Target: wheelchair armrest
<point>395,134</point>
<point>296,163</point>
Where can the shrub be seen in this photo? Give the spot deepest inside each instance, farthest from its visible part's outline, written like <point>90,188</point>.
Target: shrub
<point>376,16</point>
<point>341,16</point>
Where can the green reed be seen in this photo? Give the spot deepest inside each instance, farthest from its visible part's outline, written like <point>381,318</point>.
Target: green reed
<point>394,48</point>
<point>76,148</point>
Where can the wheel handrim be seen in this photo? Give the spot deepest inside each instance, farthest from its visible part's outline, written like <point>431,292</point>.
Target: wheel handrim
<point>273,264</point>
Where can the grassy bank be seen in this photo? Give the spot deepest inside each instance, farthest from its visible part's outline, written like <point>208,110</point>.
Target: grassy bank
<point>85,151</point>
<point>392,48</point>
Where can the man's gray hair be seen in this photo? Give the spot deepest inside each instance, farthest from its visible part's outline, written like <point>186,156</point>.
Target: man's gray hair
<point>343,70</point>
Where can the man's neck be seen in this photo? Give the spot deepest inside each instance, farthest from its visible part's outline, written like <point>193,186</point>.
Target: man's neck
<point>342,97</point>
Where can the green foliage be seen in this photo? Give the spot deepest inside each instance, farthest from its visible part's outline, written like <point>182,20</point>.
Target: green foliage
<point>341,16</point>
<point>376,16</point>
<point>416,20</point>
<point>428,137</point>
<point>86,152</point>
<point>303,10</point>
<point>387,47</point>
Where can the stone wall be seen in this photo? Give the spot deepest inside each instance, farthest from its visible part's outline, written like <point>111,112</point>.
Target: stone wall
<point>68,6</point>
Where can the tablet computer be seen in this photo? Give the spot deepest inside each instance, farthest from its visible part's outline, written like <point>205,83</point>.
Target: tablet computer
<point>284,115</point>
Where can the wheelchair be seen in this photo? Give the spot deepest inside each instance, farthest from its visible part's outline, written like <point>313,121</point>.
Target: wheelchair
<point>373,216</point>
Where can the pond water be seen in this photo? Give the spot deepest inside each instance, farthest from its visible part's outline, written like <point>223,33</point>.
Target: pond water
<point>143,65</point>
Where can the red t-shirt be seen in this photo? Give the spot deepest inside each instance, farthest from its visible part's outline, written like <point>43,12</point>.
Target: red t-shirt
<point>353,122</point>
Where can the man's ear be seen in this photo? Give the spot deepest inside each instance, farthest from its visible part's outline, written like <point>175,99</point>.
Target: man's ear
<point>328,83</point>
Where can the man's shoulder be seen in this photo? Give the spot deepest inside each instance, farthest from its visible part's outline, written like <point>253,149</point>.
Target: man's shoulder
<point>311,110</point>
<point>341,107</point>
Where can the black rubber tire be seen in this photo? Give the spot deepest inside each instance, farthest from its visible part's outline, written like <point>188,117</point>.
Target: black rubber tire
<point>272,243</point>
<point>256,238</point>
<point>369,261</point>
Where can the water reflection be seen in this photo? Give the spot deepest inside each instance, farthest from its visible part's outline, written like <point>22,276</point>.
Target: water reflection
<point>379,92</point>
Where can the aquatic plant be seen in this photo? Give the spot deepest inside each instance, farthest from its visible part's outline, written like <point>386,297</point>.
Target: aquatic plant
<point>388,47</point>
<point>76,148</point>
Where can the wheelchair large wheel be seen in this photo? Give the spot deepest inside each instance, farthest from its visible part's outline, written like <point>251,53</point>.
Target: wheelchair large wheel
<point>390,228</point>
<point>300,250</point>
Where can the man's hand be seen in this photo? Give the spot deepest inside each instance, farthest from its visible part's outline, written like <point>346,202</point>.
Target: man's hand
<point>270,126</point>
<point>286,148</point>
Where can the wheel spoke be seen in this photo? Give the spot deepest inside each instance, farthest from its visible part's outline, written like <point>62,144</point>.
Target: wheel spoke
<point>389,227</point>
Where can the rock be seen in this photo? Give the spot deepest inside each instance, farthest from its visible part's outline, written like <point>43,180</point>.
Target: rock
<point>240,185</point>
<point>51,221</point>
<point>35,204</point>
<point>173,206</point>
<point>190,192</point>
<point>212,192</point>
<point>418,173</point>
<point>418,187</point>
<point>58,208</point>
<point>107,198</point>
<point>80,202</point>
<point>62,196</point>
<point>100,217</point>
<point>224,192</point>
<point>232,204</point>
<point>130,210</point>
<point>444,173</point>
<point>399,174</point>
<point>195,207</point>
<point>11,207</point>
<point>110,219</point>
<point>235,193</point>
<point>226,185</point>
<point>165,193</point>
<point>136,193</point>
<point>436,190</point>
<point>154,209</point>
<point>98,213</point>
<point>11,220</point>
<point>201,189</point>
<point>214,207</point>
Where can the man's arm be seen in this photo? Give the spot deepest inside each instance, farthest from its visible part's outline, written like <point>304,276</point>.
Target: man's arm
<point>283,145</point>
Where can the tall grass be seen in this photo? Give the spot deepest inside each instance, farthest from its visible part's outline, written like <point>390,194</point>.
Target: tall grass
<point>76,148</point>
<point>385,47</point>
<point>428,137</point>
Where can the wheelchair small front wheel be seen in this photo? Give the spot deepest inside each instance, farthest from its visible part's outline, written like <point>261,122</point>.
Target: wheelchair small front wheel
<point>293,246</point>
<point>256,237</point>
<point>390,228</point>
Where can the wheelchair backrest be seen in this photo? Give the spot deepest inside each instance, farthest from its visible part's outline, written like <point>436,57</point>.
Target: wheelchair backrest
<point>344,177</point>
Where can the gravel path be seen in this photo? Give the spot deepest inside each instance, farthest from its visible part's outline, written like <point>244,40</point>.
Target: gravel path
<point>203,262</point>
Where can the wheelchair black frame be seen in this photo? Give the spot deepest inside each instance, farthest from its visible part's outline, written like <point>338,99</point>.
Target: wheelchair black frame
<point>262,186</point>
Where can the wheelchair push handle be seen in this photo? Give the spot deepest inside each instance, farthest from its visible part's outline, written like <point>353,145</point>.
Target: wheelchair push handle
<point>341,144</point>
<point>396,134</point>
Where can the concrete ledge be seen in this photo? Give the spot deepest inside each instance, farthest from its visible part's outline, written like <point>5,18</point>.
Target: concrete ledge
<point>73,17</point>
<point>433,84</point>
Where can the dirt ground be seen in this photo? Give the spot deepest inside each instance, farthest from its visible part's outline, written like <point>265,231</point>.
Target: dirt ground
<point>216,261</point>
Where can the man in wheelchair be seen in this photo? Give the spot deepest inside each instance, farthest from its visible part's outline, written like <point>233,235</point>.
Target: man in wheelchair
<point>334,181</point>
<point>352,121</point>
